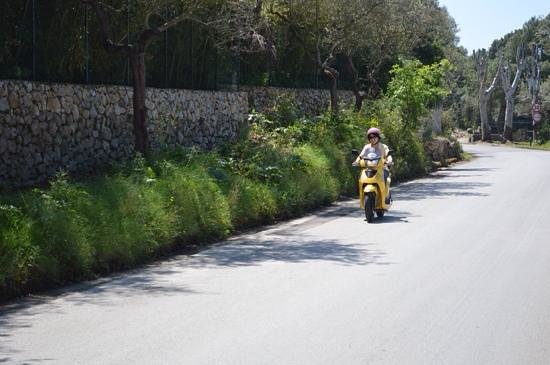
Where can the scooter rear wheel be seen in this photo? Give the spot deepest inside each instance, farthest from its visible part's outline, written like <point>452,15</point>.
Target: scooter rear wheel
<point>369,207</point>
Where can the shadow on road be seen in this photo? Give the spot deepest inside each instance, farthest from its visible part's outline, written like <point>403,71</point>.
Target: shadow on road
<point>473,169</point>
<point>290,249</point>
<point>393,216</point>
<point>429,190</point>
<point>153,279</point>
<point>7,325</point>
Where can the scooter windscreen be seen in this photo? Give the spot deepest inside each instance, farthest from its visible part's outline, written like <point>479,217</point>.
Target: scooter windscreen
<point>372,156</point>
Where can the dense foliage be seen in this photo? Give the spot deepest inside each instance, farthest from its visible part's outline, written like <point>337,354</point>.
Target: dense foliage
<point>361,40</point>
<point>59,40</point>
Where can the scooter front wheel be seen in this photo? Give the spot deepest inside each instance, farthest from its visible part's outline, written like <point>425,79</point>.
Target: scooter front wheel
<point>369,207</point>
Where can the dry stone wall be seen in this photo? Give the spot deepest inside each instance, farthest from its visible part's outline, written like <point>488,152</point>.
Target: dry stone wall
<point>194,118</point>
<point>46,128</point>
<point>307,101</point>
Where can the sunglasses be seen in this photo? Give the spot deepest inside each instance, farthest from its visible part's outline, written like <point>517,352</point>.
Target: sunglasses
<point>372,136</point>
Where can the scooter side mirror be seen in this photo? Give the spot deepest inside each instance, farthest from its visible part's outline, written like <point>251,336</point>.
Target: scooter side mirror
<point>390,152</point>
<point>354,152</point>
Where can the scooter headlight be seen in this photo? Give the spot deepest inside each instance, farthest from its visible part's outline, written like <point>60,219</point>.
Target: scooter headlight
<point>372,155</point>
<point>372,163</point>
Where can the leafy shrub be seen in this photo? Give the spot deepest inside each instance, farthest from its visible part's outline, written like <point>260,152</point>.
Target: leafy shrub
<point>202,212</point>
<point>408,153</point>
<point>320,186</point>
<point>18,255</point>
<point>285,110</point>
<point>543,134</point>
<point>348,128</point>
<point>251,202</point>
<point>131,220</point>
<point>312,185</point>
<point>60,231</point>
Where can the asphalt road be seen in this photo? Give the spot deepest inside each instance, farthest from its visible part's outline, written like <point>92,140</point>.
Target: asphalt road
<point>457,273</point>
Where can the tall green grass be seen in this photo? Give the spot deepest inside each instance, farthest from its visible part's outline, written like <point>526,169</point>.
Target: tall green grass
<point>18,253</point>
<point>79,229</point>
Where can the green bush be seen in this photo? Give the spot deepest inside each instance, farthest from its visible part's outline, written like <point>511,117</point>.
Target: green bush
<point>321,185</point>
<point>285,111</point>
<point>18,255</point>
<point>60,232</point>
<point>311,185</point>
<point>251,202</point>
<point>408,153</point>
<point>543,134</point>
<point>131,220</point>
<point>202,212</point>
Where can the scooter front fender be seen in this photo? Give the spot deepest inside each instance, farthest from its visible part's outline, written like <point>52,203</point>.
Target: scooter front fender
<point>369,188</point>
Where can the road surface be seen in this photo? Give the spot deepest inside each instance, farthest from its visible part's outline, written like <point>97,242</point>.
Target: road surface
<point>457,273</point>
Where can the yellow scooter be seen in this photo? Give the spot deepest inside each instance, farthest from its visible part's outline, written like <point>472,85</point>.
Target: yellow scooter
<point>374,190</point>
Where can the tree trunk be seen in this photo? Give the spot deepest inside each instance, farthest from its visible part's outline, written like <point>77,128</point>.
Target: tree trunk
<point>509,118</point>
<point>501,114</point>
<point>356,87</point>
<point>483,100</point>
<point>484,93</point>
<point>140,112</point>
<point>358,101</point>
<point>436,119</point>
<point>332,76</point>
<point>510,89</point>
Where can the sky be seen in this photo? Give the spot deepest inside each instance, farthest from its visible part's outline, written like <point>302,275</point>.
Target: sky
<point>480,22</point>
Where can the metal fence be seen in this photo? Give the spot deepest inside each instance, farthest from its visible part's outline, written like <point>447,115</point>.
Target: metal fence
<point>51,42</point>
<point>58,41</point>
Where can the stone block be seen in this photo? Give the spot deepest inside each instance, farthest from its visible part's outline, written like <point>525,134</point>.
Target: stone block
<point>3,146</point>
<point>53,105</point>
<point>4,104</point>
<point>14,101</point>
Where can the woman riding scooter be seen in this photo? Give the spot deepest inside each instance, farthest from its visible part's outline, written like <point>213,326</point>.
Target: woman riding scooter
<point>374,182</point>
<point>373,135</point>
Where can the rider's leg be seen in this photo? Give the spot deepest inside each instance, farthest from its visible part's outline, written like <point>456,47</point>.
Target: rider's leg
<point>387,181</point>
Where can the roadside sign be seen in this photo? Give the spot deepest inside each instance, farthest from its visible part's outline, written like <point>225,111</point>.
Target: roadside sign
<point>537,117</point>
<point>536,107</point>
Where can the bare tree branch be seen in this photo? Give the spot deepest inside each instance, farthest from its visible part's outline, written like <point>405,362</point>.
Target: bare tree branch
<point>105,28</point>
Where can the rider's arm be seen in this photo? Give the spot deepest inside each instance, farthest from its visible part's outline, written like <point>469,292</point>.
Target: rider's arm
<point>362,154</point>
<point>364,150</point>
<point>389,159</point>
